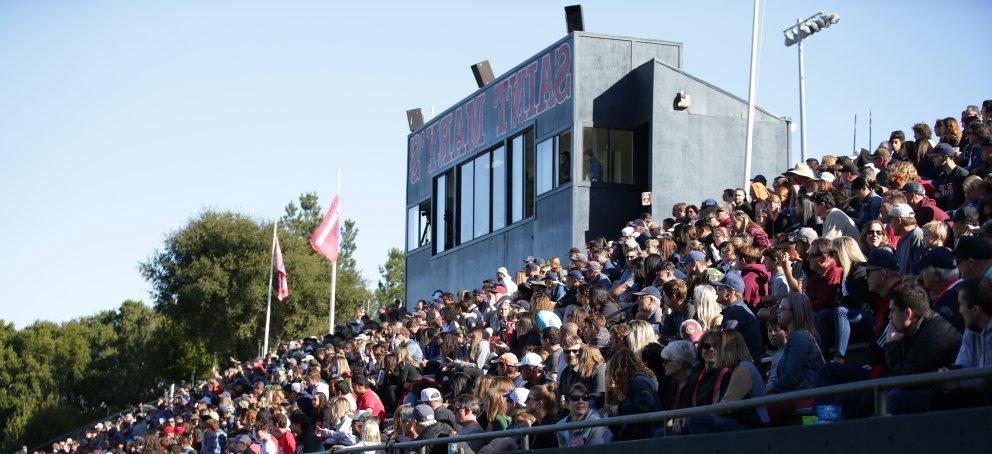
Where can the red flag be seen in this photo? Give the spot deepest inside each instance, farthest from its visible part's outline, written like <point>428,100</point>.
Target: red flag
<point>326,238</point>
<point>283,291</point>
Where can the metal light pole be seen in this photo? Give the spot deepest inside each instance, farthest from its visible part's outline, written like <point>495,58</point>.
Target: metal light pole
<point>795,35</point>
<point>751,93</point>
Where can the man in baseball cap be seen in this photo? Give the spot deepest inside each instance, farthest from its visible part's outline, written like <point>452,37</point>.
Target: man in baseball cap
<point>924,208</point>
<point>736,314</point>
<point>974,257</point>
<point>532,370</point>
<point>649,306</point>
<point>902,219</point>
<point>432,398</point>
<point>948,185</point>
<point>506,366</point>
<point>938,274</point>
<point>594,275</point>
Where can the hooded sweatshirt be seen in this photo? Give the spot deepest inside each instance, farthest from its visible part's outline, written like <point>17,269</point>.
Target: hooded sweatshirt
<point>583,437</point>
<point>756,278</point>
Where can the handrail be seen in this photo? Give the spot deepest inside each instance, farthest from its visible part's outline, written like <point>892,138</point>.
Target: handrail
<point>876,385</point>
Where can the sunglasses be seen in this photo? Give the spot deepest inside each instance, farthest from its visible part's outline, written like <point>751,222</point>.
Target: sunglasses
<point>706,346</point>
<point>584,398</point>
<point>575,351</point>
<point>875,232</point>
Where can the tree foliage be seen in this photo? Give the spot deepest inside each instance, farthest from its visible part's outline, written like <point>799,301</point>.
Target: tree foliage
<point>391,282</point>
<point>209,284</point>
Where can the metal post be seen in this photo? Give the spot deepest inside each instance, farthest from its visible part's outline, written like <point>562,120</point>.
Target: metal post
<point>526,442</point>
<point>879,394</point>
<point>855,146</point>
<point>268,305</point>
<point>422,450</point>
<point>334,271</point>
<point>802,99</point>
<point>751,93</point>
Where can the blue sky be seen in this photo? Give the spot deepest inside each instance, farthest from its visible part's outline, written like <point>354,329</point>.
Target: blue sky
<point>121,120</point>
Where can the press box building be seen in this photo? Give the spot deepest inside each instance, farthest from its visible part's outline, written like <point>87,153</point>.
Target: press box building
<point>559,149</point>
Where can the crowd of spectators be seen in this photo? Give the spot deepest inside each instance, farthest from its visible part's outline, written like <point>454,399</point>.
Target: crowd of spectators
<point>840,269</point>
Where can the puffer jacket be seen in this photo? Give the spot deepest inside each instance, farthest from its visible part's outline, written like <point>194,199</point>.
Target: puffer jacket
<point>931,344</point>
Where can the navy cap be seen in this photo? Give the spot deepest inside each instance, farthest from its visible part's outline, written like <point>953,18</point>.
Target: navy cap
<point>531,267</point>
<point>522,304</point>
<point>883,258</point>
<point>551,276</point>
<point>973,247</point>
<point>733,280</point>
<point>529,259</point>
<point>759,179</point>
<point>944,148</point>
<point>694,256</point>
<point>914,187</point>
<point>937,257</point>
<point>576,274</point>
<point>679,275</point>
<point>709,202</point>
<point>650,291</point>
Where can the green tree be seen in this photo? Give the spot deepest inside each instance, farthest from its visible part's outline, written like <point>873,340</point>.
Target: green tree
<point>391,275</point>
<point>302,220</point>
<point>210,280</point>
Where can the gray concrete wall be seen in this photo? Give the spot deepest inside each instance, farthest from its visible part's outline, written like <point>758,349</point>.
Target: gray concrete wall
<point>699,151</point>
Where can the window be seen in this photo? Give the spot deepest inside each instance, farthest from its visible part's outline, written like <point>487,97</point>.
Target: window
<point>554,162</point>
<point>482,195</point>
<point>608,155</point>
<point>545,162</point>
<point>418,224</point>
<point>499,188</point>
<point>467,173</point>
<point>563,159</point>
<point>522,177</point>
<point>444,219</point>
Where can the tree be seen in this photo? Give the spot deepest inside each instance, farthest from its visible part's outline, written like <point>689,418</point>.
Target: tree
<point>210,281</point>
<point>391,283</point>
<point>304,219</point>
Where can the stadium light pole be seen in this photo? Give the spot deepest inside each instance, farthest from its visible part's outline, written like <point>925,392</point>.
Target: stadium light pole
<point>796,34</point>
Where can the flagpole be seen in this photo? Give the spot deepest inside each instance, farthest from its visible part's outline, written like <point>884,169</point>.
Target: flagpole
<point>334,271</point>
<point>268,306</point>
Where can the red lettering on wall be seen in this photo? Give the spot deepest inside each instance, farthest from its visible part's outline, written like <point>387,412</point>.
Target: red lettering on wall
<point>460,144</point>
<point>479,134</point>
<point>546,95</point>
<point>445,139</point>
<point>434,160</point>
<point>414,166</point>
<point>563,78</point>
<point>499,103</point>
<point>532,86</point>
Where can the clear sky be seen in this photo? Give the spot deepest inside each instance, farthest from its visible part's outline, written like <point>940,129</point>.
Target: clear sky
<point>121,120</point>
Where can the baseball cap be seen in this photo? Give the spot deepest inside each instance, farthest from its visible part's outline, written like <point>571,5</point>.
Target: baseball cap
<point>759,179</point>
<point>650,291</point>
<point>694,256</point>
<point>576,274</point>
<point>529,259</point>
<point>881,153</point>
<point>531,359</point>
<point>937,257</point>
<point>883,258</point>
<point>709,202</point>
<point>973,247</point>
<point>595,266</point>
<point>499,289</point>
<point>522,304</point>
<point>901,210</point>
<point>627,231</point>
<point>827,176</point>
<point>430,395</point>
<point>531,266</point>
<point>243,439</point>
<point>518,396</point>
<point>803,235</point>
<point>507,358</point>
<point>691,330</point>
<point>581,258</point>
<point>552,276</point>
<point>944,149</point>
<point>423,413</point>
<point>733,280</point>
<point>914,188</point>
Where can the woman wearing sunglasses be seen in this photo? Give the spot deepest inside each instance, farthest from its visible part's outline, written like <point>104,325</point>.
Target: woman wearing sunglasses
<point>874,236</point>
<point>801,359</point>
<point>577,402</point>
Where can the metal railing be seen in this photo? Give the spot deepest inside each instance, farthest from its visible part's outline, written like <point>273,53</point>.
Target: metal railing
<point>877,386</point>
<point>75,433</point>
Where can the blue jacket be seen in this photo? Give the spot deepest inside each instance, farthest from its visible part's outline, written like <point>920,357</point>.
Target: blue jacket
<point>800,362</point>
<point>871,208</point>
<point>739,317</point>
<point>642,397</point>
<point>976,351</point>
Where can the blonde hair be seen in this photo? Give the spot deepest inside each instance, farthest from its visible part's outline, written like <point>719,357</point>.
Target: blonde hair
<point>733,349</point>
<point>340,407</point>
<point>974,183</point>
<point>370,431</point>
<point>591,357</point>
<point>542,303</point>
<point>848,253</point>
<point>707,309</point>
<point>495,405</point>
<point>641,334</point>
<point>937,229</point>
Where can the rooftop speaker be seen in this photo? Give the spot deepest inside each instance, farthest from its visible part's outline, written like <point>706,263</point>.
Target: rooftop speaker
<point>415,119</point>
<point>483,73</point>
<point>573,18</point>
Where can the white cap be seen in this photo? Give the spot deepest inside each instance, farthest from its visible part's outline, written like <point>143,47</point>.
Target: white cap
<point>901,210</point>
<point>627,231</point>
<point>519,396</point>
<point>531,359</point>
<point>827,176</point>
<point>430,395</point>
<point>502,270</point>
